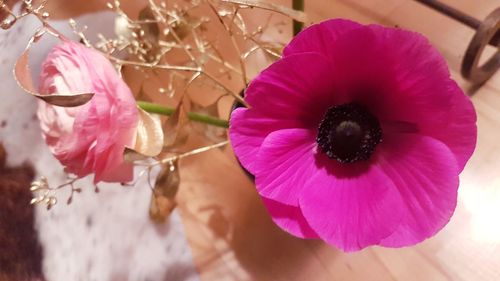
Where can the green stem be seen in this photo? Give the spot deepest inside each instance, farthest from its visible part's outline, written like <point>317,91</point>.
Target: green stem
<point>167,111</point>
<point>297,25</point>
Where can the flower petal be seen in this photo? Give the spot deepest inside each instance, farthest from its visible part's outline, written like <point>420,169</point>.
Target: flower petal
<point>402,78</point>
<point>298,87</point>
<point>460,133</point>
<point>319,37</point>
<point>351,207</point>
<point>92,137</point>
<point>284,164</point>
<point>247,131</point>
<point>425,172</point>
<point>116,170</point>
<point>289,218</point>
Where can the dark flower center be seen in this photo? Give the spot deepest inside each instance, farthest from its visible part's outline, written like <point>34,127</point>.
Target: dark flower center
<point>348,133</point>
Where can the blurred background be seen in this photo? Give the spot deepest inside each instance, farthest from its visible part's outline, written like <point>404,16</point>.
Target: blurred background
<point>220,230</point>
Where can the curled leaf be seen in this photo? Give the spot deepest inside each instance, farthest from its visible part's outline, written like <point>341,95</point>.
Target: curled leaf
<point>131,155</point>
<point>176,126</point>
<point>296,15</point>
<point>22,75</point>
<point>164,193</point>
<point>213,133</point>
<point>149,136</point>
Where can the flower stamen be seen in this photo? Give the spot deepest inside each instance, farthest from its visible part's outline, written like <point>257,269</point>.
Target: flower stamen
<point>349,133</point>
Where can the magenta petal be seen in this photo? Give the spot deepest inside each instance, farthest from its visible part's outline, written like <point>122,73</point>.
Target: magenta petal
<point>460,132</point>
<point>319,37</point>
<point>289,218</point>
<point>396,73</point>
<point>351,211</point>
<point>298,87</point>
<point>247,131</point>
<point>285,162</point>
<point>403,78</point>
<point>425,173</point>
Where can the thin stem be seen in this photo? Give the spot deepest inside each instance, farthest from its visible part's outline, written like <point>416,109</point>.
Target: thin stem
<point>167,111</point>
<point>297,5</point>
<point>194,152</point>
<point>178,68</point>
<point>233,41</point>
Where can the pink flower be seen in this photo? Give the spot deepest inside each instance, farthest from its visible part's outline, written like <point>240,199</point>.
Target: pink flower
<point>356,136</point>
<point>90,138</point>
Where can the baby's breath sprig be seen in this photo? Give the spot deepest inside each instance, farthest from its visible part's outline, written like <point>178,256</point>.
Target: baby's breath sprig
<point>45,194</point>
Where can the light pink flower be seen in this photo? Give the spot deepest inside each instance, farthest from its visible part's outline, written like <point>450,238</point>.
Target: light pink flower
<point>90,138</point>
<point>356,136</point>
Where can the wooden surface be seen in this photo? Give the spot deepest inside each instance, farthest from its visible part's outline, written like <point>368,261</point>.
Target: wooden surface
<point>232,237</point>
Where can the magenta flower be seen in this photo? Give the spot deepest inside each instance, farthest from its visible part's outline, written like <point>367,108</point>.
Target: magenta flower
<point>356,136</point>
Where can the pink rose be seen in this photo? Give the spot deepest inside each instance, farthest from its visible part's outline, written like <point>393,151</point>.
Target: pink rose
<point>90,138</point>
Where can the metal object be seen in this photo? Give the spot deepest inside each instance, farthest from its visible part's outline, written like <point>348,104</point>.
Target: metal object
<point>487,33</point>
